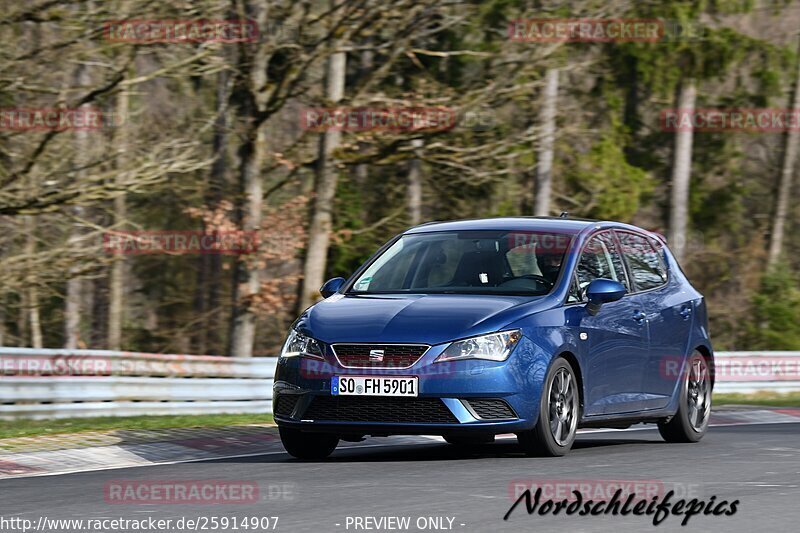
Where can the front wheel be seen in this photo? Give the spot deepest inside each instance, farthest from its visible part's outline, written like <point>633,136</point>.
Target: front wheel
<point>694,405</point>
<point>559,409</point>
<point>308,445</point>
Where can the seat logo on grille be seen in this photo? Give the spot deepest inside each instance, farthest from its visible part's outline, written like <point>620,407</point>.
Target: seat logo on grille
<point>376,356</point>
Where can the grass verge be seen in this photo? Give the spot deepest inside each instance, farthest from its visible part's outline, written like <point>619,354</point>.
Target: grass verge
<point>763,398</point>
<point>30,428</point>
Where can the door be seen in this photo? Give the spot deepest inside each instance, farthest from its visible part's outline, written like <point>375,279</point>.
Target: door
<point>615,341</point>
<point>669,314</point>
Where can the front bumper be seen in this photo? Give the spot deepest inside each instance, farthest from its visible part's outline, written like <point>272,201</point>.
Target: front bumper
<point>302,397</point>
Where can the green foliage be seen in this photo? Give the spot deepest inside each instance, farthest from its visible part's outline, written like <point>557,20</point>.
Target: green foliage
<point>690,49</point>
<point>608,187</point>
<point>775,323</point>
<point>359,210</point>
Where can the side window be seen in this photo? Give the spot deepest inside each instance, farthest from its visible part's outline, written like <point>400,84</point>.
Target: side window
<point>599,259</point>
<point>618,273</point>
<point>644,262</point>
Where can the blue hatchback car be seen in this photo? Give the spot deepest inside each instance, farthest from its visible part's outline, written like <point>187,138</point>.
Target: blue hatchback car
<point>474,328</point>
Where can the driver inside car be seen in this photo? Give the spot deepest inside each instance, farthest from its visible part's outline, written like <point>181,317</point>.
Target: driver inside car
<point>550,266</point>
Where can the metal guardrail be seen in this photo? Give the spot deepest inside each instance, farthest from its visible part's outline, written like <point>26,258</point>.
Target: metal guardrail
<point>748,372</point>
<point>81,383</point>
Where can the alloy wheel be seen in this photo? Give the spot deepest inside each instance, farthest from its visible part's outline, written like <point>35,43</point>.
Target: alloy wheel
<point>698,395</point>
<point>563,406</point>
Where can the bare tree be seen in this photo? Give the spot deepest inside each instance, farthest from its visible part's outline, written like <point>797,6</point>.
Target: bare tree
<point>251,99</point>
<point>325,190</point>
<point>366,66</point>
<point>544,165</point>
<point>210,265</point>
<point>791,147</point>
<point>116,288</point>
<point>33,290</point>
<point>415,186</point>
<point>74,295</point>
<point>681,172</point>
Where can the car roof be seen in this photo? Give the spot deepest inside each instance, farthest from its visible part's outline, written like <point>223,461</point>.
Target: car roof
<point>556,224</point>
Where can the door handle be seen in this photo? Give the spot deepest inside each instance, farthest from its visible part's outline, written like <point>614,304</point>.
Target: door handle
<point>639,316</point>
<point>686,312</point>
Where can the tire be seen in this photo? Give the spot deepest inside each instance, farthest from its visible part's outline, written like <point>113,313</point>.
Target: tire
<point>694,405</point>
<point>468,441</point>
<point>308,446</point>
<point>559,411</point>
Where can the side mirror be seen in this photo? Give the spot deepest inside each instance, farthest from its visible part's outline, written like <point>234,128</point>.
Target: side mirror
<point>331,287</point>
<point>602,291</point>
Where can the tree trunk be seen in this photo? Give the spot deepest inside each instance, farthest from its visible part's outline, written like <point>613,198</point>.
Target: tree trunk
<point>544,165</point>
<point>325,190</point>
<point>199,340</point>
<point>23,319</point>
<point>98,304</point>
<point>212,335</point>
<point>415,187</point>
<point>366,66</point>
<point>33,291</point>
<point>210,265</point>
<point>116,288</point>
<point>72,311</point>
<point>91,300</point>
<point>74,296</point>
<point>631,116</point>
<point>252,78</point>
<point>681,173</point>
<point>247,275</point>
<point>787,171</point>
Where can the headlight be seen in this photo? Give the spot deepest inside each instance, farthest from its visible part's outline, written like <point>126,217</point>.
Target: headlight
<point>493,347</point>
<point>298,344</point>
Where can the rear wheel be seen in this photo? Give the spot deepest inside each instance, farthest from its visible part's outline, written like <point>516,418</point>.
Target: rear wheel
<point>308,445</point>
<point>694,406</point>
<point>559,409</point>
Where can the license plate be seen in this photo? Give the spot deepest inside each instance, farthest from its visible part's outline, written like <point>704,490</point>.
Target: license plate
<point>374,386</point>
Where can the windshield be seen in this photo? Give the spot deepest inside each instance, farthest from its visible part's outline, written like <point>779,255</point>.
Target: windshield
<point>467,262</point>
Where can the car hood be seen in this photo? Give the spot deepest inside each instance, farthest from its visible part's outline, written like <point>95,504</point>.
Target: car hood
<point>422,318</point>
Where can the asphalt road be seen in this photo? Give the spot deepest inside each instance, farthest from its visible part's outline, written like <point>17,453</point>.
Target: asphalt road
<point>759,465</point>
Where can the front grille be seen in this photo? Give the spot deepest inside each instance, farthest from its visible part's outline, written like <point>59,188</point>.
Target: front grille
<point>393,355</point>
<point>491,409</point>
<point>285,404</point>
<point>376,409</point>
